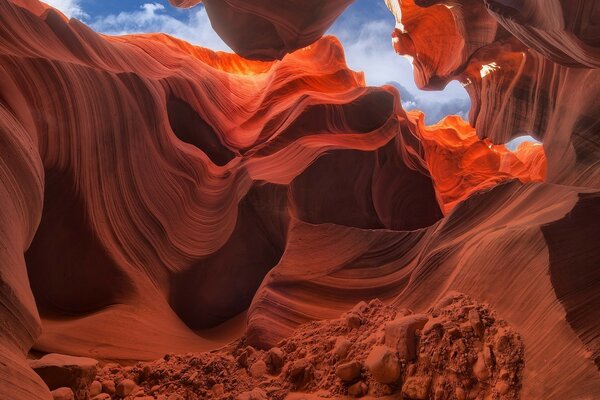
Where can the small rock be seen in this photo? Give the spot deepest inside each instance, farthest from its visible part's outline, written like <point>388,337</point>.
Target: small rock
<point>353,320</point>
<point>125,387</point>
<point>63,393</point>
<point>255,394</point>
<point>383,365</point>
<point>108,386</point>
<point>440,394</point>
<point>417,387</point>
<point>102,396</point>
<point>400,335</point>
<point>460,393</point>
<point>502,342</point>
<point>258,369</point>
<point>300,372</point>
<point>349,372</point>
<point>274,360</point>
<point>95,388</point>
<point>488,356</point>
<point>359,389</point>
<point>502,387</point>
<point>341,347</point>
<point>475,321</point>
<point>360,308</point>
<point>479,368</point>
<point>218,389</point>
<point>242,360</point>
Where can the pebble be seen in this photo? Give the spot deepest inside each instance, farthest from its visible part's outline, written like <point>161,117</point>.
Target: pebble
<point>63,393</point>
<point>417,387</point>
<point>341,347</point>
<point>95,388</point>
<point>108,387</point>
<point>359,389</point>
<point>125,387</point>
<point>258,369</point>
<point>349,371</point>
<point>274,360</point>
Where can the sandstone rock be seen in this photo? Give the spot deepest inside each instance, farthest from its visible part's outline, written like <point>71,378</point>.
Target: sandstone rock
<point>358,389</point>
<point>400,335</point>
<point>353,320</point>
<point>360,308</point>
<point>63,393</point>
<point>502,387</point>
<point>254,394</point>
<point>108,386</point>
<point>417,387</point>
<point>341,347</point>
<point>300,372</point>
<point>480,369</point>
<point>383,364</point>
<point>218,389</point>
<point>274,360</point>
<point>58,370</point>
<point>95,388</point>
<point>349,371</point>
<point>258,369</point>
<point>475,321</point>
<point>488,356</point>
<point>125,387</point>
<point>102,396</point>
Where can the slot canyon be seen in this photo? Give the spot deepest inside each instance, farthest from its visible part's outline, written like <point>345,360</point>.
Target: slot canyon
<point>179,223</point>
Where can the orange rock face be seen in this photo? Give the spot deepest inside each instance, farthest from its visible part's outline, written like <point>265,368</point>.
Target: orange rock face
<point>461,164</point>
<point>161,198</point>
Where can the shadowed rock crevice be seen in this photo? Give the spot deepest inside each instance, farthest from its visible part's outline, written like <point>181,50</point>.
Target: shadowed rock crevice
<point>190,128</point>
<point>216,289</point>
<point>69,270</point>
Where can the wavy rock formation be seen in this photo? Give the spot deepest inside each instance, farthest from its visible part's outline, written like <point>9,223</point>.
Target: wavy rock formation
<point>515,90</point>
<point>153,192</point>
<point>268,30</point>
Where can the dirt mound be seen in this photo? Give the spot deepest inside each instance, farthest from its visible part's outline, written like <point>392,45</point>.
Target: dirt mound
<point>459,349</point>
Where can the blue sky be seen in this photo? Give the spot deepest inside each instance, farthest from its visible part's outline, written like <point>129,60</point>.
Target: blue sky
<point>364,29</point>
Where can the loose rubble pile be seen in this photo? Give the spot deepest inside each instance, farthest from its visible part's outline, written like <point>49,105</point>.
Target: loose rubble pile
<point>458,350</point>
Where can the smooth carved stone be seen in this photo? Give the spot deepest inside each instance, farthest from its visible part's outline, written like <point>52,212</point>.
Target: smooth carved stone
<point>400,335</point>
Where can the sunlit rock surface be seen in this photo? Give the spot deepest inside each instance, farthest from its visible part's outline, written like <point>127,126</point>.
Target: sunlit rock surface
<point>154,192</point>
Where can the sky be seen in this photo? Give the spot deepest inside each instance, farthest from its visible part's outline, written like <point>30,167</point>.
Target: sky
<point>364,29</point>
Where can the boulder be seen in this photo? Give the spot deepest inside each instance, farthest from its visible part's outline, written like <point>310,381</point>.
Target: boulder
<point>349,371</point>
<point>258,369</point>
<point>63,393</point>
<point>383,364</point>
<point>95,389</point>
<point>341,347</point>
<point>59,371</point>
<point>274,360</point>
<point>125,387</point>
<point>400,335</point>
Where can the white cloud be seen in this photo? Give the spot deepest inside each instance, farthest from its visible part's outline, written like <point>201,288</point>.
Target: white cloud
<point>71,8</point>
<point>368,47</point>
<point>152,17</point>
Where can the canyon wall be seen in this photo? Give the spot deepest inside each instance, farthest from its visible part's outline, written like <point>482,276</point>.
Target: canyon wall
<point>153,192</point>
